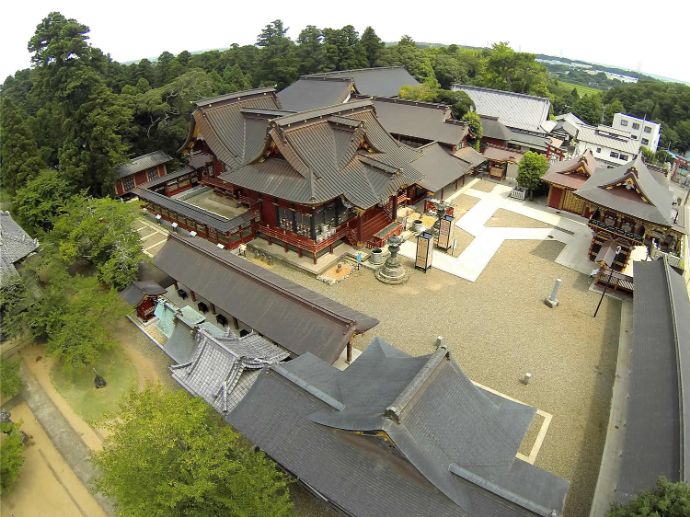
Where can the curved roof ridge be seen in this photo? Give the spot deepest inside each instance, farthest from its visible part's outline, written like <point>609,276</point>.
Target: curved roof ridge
<point>402,401</point>
<point>235,95</point>
<point>304,116</point>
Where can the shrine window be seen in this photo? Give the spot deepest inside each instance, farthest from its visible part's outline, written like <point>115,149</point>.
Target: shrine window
<point>151,174</point>
<point>128,182</point>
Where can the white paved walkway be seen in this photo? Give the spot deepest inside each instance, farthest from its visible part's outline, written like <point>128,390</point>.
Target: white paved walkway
<point>487,240</point>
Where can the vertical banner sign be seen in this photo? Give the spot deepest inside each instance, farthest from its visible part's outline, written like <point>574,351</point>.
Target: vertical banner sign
<point>444,232</point>
<point>425,251</point>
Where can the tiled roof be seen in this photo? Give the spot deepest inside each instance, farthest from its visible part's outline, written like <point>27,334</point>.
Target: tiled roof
<point>494,128</point>
<point>218,222</point>
<point>437,444</point>
<point>539,142</point>
<point>656,435</point>
<point>308,93</point>
<point>380,82</point>
<point>143,162</point>
<point>320,160</point>
<point>223,368</point>
<point>502,155</point>
<point>156,182</point>
<point>564,172</point>
<point>288,314</point>
<point>469,155</point>
<point>515,110</point>
<point>423,120</point>
<point>602,189</point>
<point>601,137</point>
<point>15,244</point>
<point>439,167</point>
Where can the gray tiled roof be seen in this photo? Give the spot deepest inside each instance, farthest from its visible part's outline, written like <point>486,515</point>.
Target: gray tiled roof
<point>222,369</point>
<point>380,82</point>
<point>141,163</point>
<point>168,177</point>
<point>218,222</point>
<point>288,314</point>
<point>320,160</point>
<point>657,210</point>
<point>515,110</point>
<point>493,128</point>
<point>539,142</point>
<point>439,167</point>
<point>15,244</point>
<point>437,444</point>
<point>469,155</point>
<point>656,437</point>
<point>306,93</point>
<point>423,120</point>
<point>604,137</point>
<point>136,292</point>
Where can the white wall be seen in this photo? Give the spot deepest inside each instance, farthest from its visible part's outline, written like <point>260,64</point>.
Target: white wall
<point>627,123</point>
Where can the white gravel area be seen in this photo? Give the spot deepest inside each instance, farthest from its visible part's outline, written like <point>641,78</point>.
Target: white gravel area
<point>498,328</point>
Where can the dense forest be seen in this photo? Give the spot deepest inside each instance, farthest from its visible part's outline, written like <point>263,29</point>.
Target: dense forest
<point>81,113</point>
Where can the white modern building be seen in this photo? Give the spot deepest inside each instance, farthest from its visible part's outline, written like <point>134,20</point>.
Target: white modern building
<point>610,146</point>
<point>644,131</point>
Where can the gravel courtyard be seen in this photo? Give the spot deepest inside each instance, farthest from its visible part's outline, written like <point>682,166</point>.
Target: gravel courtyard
<point>498,328</point>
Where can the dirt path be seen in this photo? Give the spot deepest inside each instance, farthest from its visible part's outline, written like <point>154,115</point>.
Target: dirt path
<point>47,485</point>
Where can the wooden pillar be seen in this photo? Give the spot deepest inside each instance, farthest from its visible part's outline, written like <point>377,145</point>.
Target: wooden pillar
<point>193,295</point>
<point>359,227</point>
<point>394,215</point>
<point>175,284</point>
<point>294,221</point>
<point>314,258</point>
<point>235,323</point>
<point>349,352</point>
<point>312,226</point>
<point>213,309</point>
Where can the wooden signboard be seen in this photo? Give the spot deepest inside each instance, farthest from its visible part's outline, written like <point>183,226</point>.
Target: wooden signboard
<point>445,231</point>
<point>425,249</point>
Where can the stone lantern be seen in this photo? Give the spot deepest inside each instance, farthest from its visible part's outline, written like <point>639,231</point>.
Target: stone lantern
<point>392,271</point>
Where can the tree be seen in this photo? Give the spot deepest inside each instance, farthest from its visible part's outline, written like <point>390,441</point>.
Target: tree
<point>10,380</point>
<point>505,69</point>
<point>69,82</point>
<point>11,456</point>
<point>100,232</point>
<point>589,108</point>
<point>84,331</point>
<point>474,123</point>
<point>13,303</point>
<point>372,46</point>
<point>195,465</point>
<point>531,169</point>
<point>616,106</point>
<point>649,156</point>
<point>667,499</point>
<point>276,61</point>
<point>20,159</point>
<point>460,102</point>
<point>310,54</point>
<point>38,203</point>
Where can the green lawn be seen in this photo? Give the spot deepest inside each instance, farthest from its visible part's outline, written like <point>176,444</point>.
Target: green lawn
<point>582,90</point>
<point>79,391</point>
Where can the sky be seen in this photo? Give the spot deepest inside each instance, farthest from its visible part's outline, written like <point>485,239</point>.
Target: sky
<point>649,37</point>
